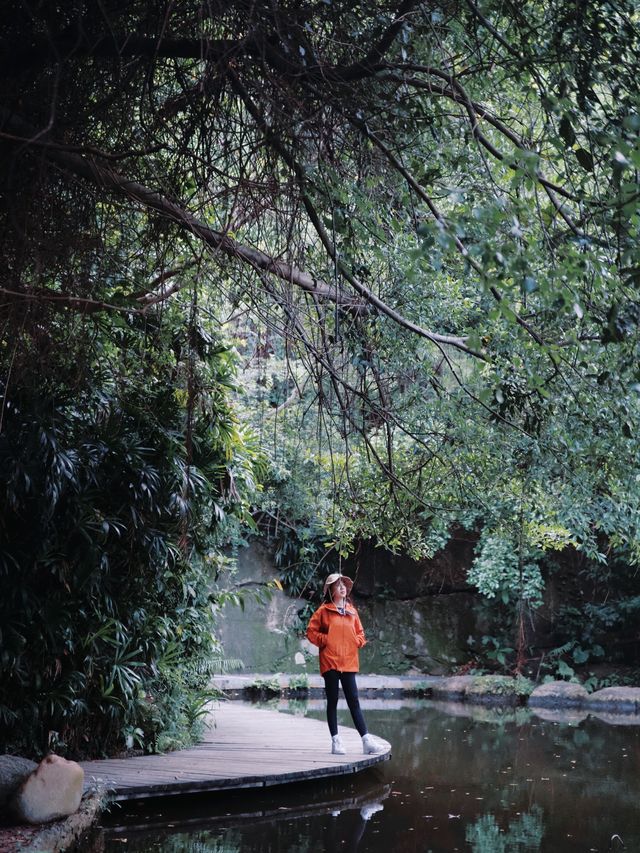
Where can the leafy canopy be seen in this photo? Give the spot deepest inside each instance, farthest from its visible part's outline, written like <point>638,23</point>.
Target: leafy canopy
<point>433,207</point>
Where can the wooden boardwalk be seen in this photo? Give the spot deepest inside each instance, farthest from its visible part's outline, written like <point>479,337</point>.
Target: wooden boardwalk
<point>245,747</point>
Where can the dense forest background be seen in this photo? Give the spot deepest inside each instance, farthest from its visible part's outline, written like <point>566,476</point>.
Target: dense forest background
<point>334,273</point>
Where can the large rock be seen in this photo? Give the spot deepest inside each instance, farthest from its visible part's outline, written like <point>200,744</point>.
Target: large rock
<point>621,700</point>
<point>454,687</point>
<point>258,633</point>
<point>425,625</point>
<point>427,634</point>
<point>379,571</point>
<point>483,689</point>
<point>13,771</point>
<point>559,694</point>
<point>52,791</point>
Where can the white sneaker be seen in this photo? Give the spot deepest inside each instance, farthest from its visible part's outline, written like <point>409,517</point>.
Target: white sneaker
<point>367,812</point>
<point>370,745</point>
<point>337,747</point>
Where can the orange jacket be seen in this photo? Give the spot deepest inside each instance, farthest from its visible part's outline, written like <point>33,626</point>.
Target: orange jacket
<point>338,637</point>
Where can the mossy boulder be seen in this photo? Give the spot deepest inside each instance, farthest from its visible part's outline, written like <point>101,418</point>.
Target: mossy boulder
<point>452,688</point>
<point>494,689</point>
<point>426,634</point>
<point>484,689</point>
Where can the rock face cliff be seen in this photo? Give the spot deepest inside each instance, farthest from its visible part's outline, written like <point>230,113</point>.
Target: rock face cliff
<point>378,571</point>
<point>417,617</point>
<point>425,617</point>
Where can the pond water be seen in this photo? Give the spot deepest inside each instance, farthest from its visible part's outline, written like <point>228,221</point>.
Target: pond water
<point>460,779</point>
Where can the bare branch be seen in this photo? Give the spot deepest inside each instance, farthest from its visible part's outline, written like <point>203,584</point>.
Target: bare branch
<point>78,303</point>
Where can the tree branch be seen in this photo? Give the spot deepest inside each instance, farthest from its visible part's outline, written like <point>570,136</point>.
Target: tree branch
<point>76,44</point>
<point>481,111</point>
<point>106,177</point>
<point>365,292</point>
<point>78,303</point>
<point>440,218</point>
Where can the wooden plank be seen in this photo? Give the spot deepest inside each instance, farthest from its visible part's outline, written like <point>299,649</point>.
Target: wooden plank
<point>245,747</point>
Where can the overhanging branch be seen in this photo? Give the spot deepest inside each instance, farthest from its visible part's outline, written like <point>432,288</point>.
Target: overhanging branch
<point>92,170</point>
<point>366,293</point>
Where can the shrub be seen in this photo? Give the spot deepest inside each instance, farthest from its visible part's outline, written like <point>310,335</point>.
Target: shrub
<point>109,494</point>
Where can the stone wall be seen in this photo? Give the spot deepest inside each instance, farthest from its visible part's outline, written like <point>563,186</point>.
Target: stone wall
<point>417,618</point>
<point>378,571</point>
<point>421,616</point>
<point>259,635</point>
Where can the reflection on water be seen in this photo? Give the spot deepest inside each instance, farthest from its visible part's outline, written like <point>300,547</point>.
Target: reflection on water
<point>477,780</point>
<point>525,833</point>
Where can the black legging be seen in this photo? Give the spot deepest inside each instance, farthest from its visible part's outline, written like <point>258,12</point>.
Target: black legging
<point>332,679</point>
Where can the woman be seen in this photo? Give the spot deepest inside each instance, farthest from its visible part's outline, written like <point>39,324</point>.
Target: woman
<point>336,629</point>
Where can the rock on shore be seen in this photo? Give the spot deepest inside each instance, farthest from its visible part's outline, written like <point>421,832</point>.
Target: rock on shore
<point>36,794</point>
<point>558,694</point>
<point>13,771</point>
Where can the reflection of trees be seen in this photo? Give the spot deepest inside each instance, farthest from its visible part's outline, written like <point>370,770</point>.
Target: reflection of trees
<point>524,834</point>
<point>496,715</point>
<point>200,843</point>
<point>439,742</point>
<point>509,747</point>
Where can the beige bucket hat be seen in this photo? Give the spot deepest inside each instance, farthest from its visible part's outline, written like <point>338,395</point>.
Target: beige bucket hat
<point>336,576</point>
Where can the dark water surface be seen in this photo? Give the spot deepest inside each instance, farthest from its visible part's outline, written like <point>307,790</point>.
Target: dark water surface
<point>460,779</point>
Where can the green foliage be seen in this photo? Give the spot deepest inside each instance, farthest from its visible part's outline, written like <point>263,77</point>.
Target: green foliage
<point>599,682</point>
<point>500,685</point>
<point>290,509</point>
<point>494,651</point>
<point>499,571</point>
<point>107,611</point>
<point>299,682</point>
<point>265,688</point>
<point>597,623</point>
<point>432,220</point>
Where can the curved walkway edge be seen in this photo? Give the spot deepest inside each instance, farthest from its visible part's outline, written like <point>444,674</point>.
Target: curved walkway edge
<point>243,747</point>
